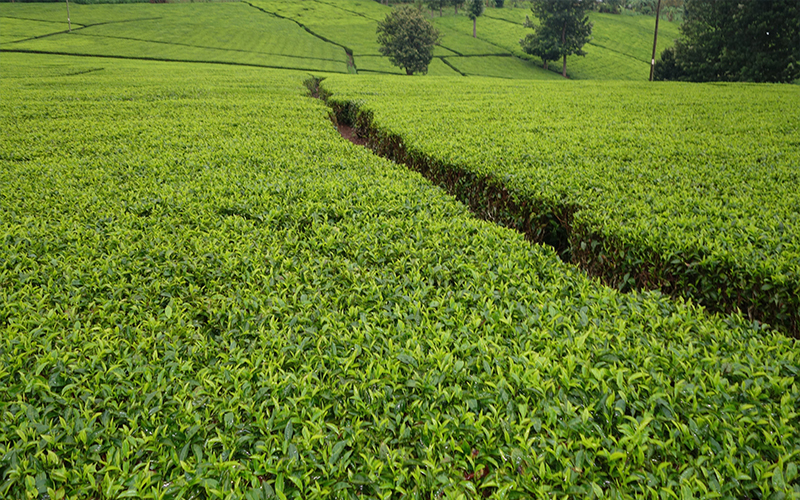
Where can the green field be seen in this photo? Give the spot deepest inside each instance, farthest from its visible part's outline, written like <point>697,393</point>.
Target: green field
<point>709,214</point>
<point>312,35</point>
<point>317,35</point>
<point>173,32</point>
<point>207,293</point>
<point>620,49</point>
<point>353,25</point>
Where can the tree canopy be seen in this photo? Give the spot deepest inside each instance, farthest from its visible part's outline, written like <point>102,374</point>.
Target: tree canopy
<point>407,39</point>
<point>563,30</point>
<point>735,40</point>
<point>543,42</point>
<point>436,5</point>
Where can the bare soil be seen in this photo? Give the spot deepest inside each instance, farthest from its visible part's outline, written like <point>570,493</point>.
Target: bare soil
<point>351,135</point>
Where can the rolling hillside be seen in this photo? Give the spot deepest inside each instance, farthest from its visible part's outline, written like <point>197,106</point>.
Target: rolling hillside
<point>332,36</point>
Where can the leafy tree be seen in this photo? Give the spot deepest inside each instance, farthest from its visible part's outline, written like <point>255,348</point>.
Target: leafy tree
<point>540,43</point>
<point>499,3</point>
<point>407,39</point>
<point>563,30</point>
<point>735,40</point>
<point>670,9</point>
<point>474,11</point>
<point>610,6</point>
<point>456,4</point>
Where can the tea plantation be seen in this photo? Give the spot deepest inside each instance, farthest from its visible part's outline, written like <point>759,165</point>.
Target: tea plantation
<point>207,293</point>
<point>687,188</point>
<point>332,36</point>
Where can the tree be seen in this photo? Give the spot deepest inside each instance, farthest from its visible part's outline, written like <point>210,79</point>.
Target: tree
<point>407,39</point>
<point>610,6</point>
<point>735,40</point>
<point>540,43</point>
<point>670,9</point>
<point>563,30</point>
<point>456,3</point>
<point>474,11</point>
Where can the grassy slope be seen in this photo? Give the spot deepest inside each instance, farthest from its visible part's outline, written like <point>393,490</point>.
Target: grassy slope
<point>207,293</point>
<point>353,23</point>
<point>196,32</point>
<point>21,29</point>
<point>621,46</point>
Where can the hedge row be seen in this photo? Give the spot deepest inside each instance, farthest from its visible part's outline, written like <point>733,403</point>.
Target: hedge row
<point>686,189</point>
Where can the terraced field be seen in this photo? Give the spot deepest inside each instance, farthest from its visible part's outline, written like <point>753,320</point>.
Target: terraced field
<point>353,25</point>
<point>620,48</point>
<point>314,35</point>
<point>325,36</point>
<point>171,32</point>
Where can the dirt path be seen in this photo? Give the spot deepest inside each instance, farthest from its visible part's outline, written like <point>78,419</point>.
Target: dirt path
<point>351,135</point>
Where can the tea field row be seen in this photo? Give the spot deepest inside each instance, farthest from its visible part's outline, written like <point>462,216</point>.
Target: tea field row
<point>687,188</point>
<point>206,293</point>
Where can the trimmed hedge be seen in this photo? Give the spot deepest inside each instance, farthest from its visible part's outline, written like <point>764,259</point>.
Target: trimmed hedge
<point>621,184</point>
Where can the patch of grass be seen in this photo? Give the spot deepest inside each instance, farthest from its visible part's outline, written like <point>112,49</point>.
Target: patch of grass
<point>501,67</point>
<point>624,45</point>
<point>81,15</point>
<point>620,48</point>
<point>334,21</point>
<point>379,64</point>
<point>21,29</point>
<point>457,31</point>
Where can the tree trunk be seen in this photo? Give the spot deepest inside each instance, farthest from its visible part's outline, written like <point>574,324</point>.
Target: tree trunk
<point>456,8</point>
<point>409,72</point>
<point>475,28</point>
<point>563,42</point>
<point>545,64</point>
<point>440,10</point>
<point>655,41</point>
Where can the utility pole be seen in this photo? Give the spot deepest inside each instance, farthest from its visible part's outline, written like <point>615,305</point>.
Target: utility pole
<point>655,40</point>
<point>69,23</point>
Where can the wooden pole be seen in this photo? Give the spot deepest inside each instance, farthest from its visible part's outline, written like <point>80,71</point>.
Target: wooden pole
<point>69,23</point>
<point>655,40</point>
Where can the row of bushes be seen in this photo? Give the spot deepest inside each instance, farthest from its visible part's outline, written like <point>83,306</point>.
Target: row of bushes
<point>594,238</point>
